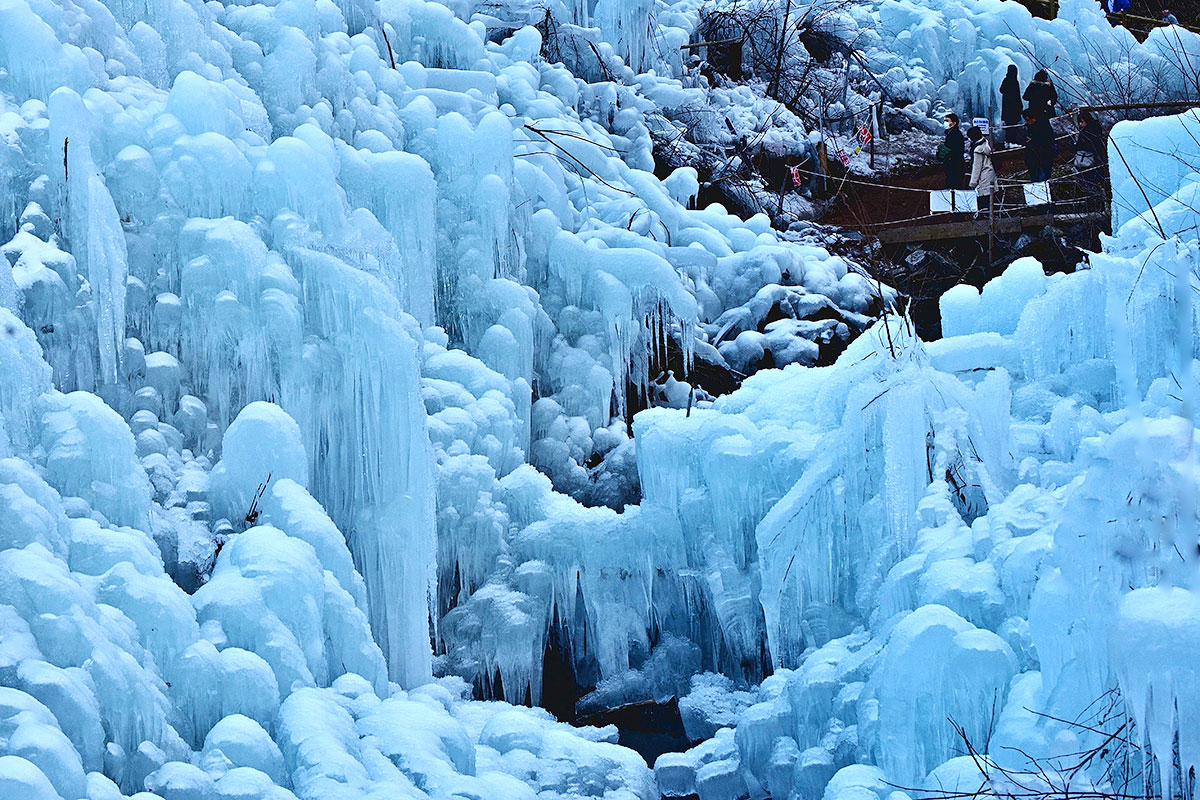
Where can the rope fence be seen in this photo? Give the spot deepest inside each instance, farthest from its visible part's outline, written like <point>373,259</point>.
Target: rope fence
<point>999,199</point>
<point>1001,182</point>
<point>1000,205</point>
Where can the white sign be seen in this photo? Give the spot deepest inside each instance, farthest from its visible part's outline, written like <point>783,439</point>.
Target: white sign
<point>942,200</point>
<point>1037,194</point>
<point>983,124</point>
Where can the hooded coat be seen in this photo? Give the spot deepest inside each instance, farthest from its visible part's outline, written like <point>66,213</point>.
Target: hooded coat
<point>1010,98</point>
<point>1041,96</point>
<point>983,171</point>
<point>954,164</point>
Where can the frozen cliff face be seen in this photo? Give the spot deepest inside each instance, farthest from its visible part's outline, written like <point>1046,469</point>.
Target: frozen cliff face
<point>443,257</point>
<point>295,295</point>
<point>322,318</point>
<point>201,230</point>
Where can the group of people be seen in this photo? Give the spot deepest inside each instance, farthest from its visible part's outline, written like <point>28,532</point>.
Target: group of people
<point>1026,118</point>
<point>1034,108</point>
<point>953,152</point>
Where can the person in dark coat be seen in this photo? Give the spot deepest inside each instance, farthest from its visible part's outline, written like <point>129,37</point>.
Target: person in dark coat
<point>1039,145</point>
<point>1089,142</point>
<point>1041,95</point>
<point>955,153</point>
<point>1011,106</point>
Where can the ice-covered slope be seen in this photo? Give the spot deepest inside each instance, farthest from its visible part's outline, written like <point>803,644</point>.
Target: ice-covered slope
<point>990,539</point>
<point>285,283</point>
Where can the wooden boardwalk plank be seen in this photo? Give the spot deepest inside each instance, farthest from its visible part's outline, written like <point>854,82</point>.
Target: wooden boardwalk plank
<point>974,228</point>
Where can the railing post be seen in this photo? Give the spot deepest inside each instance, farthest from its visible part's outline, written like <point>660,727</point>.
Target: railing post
<point>874,136</point>
<point>992,221</point>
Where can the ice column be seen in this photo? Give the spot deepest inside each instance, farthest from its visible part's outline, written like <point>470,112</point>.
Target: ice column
<point>91,224</point>
<point>359,406</point>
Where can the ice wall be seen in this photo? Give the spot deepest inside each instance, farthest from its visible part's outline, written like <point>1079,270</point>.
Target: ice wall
<point>296,295</point>
<point>266,683</point>
<point>1149,162</point>
<point>109,667</point>
<point>303,296</point>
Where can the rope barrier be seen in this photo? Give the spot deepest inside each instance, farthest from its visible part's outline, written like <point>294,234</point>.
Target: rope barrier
<point>1087,178</point>
<point>1000,206</point>
<point>888,186</point>
<point>866,109</point>
<point>1064,115</point>
<point>1001,182</point>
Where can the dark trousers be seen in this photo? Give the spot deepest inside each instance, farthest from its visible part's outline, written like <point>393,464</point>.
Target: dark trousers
<point>954,176</point>
<point>1039,165</point>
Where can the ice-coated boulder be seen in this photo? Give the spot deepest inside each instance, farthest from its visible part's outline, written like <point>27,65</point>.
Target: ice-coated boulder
<point>261,446</point>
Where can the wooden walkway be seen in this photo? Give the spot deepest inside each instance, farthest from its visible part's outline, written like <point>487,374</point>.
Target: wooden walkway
<point>897,213</point>
<point>895,208</point>
<point>971,227</point>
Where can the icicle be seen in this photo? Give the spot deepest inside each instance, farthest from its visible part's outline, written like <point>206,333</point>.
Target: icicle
<point>92,226</point>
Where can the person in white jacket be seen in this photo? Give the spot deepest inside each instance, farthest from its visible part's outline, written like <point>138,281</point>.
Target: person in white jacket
<point>983,171</point>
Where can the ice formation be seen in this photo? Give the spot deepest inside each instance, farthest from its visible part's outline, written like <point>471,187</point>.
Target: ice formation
<point>321,332</point>
<point>285,283</point>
